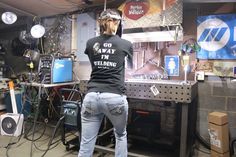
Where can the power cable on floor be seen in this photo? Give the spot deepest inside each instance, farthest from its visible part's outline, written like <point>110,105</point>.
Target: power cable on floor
<point>53,135</point>
<point>202,140</point>
<point>202,150</point>
<point>11,139</point>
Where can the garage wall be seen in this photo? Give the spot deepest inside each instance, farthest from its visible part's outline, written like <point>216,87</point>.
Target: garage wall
<point>215,93</point>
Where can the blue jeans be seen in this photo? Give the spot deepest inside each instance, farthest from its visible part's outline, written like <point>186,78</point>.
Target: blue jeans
<point>95,106</point>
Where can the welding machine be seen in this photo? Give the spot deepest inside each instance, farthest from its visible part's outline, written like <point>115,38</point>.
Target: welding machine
<point>55,69</point>
<point>70,111</point>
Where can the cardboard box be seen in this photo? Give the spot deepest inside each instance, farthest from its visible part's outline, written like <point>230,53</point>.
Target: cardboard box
<point>219,132</point>
<point>215,154</point>
<point>218,118</point>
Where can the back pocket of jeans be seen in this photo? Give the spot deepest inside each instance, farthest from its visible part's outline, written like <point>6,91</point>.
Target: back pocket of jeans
<point>117,107</point>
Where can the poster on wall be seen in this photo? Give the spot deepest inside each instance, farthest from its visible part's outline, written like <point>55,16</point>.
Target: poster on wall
<point>224,68</point>
<point>151,13</point>
<point>216,35</point>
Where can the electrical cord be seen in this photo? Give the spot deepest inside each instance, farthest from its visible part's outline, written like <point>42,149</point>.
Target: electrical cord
<point>9,146</point>
<point>51,106</point>
<point>47,149</point>
<point>53,135</point>
<point>50,142</point>
<point>18,120</point>
<point>33,139</point>
<point>232,147</point>
<point>202,140</point>
<point>56,143</point>
<point>202,150</point>
<point>40,136</point>
<point>35,119</point>
<point>29,100</point>
<point>10,142</point>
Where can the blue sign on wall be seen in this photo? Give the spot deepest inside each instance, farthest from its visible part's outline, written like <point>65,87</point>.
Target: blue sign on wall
<point>216,35</point>
<point>172,65</point>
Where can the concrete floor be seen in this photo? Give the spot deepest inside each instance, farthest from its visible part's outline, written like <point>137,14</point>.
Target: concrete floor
<point>22,148</point>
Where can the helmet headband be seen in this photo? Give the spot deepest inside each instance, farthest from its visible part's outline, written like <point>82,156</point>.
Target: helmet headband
<point>109,13</point>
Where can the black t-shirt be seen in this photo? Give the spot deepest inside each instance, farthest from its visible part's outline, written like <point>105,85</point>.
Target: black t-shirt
<point>107,57</point>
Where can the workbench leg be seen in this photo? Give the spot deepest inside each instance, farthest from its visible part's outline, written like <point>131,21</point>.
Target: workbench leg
<point>184,128</point>
<point>35,120</point>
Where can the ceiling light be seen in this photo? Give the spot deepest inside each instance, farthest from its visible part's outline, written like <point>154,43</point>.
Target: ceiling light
<point>37,31</point>
<point>9,18</point>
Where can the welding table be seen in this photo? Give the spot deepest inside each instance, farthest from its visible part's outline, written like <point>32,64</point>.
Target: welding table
<point>183,93</point>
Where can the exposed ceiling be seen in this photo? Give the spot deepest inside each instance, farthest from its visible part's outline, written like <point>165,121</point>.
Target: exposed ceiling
<point>45,8</point>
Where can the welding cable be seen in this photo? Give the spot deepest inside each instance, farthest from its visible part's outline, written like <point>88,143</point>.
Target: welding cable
<point>232,147</point>
<point>199,149</point>
<point>202,140</point>
<point>28,130</point>
<point>53,135</point>
<point>40,136</point>
<point>35,120</point>
<point>52,109</point>
<point>54,143</point>
<point>19,138</point>
<point>43,150</point>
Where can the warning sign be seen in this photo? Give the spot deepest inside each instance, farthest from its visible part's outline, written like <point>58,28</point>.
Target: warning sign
<point>172,65</point>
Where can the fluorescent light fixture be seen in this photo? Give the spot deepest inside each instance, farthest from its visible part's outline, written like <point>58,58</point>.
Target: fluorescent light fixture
<point>37,31</point>
<point>154,36</point>
<point>9,18</point>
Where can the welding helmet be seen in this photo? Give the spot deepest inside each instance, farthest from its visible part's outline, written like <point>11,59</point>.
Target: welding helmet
<point>109,13</point>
